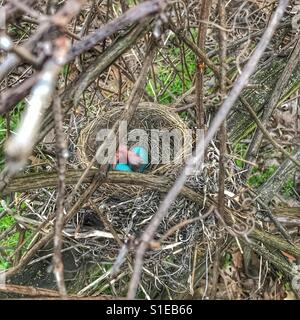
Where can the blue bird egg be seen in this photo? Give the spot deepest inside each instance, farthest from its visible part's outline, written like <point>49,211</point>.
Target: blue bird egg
<point>122,167</point>
<point>143,154</point>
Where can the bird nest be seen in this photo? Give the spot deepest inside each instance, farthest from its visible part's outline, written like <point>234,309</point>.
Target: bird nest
<point>152,119</point>
<point>129,208</point>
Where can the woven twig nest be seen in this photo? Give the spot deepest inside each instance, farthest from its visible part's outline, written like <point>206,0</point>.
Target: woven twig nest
<point>129,208</point>
<point>148,116</point>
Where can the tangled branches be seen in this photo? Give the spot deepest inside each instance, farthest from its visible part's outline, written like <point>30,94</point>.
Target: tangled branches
<point>76,68</point>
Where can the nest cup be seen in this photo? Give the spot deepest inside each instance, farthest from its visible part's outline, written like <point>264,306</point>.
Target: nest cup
<point>129,208</point>
<point>148,117</point>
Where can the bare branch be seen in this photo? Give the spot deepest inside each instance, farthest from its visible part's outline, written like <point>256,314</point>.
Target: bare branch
<point>62,154</point>
<point>20,146</point>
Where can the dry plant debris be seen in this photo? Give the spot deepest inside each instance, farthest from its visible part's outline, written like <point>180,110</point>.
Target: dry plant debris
<point>73,228</point>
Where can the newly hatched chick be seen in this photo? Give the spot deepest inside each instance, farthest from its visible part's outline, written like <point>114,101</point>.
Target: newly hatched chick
<point>135,159</point>
<point>142,153</point>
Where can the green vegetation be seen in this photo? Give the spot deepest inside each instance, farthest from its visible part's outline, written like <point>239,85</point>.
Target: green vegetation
<point>259,176</point>
<point>14,122</point>
<point>168,84</point>
<point>288,188</point>
<point>240,150</point>
<point>227,260</point>
<point>287,286</point>
<point>9,243</point>
<point>19,31</point>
